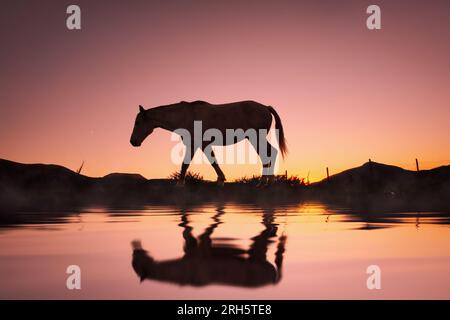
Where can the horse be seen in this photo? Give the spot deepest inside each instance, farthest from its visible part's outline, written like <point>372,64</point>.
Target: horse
<point>244,117</point>
<point>206,262</point>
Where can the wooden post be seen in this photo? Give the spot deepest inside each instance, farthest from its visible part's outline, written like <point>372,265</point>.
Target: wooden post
<point>285,175</point>
<point>80,168</point>
<point>417,165</point>
<point>328,175</point>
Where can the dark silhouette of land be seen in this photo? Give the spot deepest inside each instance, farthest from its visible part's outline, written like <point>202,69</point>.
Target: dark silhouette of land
<point>37,187</point>
<point>381,186</point>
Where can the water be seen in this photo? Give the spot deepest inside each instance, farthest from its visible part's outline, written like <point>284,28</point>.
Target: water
<point>307,251</point>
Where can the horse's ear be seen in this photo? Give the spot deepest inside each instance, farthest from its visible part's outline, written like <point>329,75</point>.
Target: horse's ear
<point>141,108</point>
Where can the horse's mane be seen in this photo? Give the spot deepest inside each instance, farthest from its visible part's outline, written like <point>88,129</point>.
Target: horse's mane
<point>168,105</point>
<point>198,101</point>
<point>180,104</point>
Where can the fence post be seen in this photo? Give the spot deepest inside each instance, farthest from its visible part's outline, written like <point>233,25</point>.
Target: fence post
<point>370,171</point>
<point>328,175</point>
<point>417,165</point>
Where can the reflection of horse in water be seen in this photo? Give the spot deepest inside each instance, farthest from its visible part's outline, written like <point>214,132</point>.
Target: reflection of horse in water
<point>206,263</point>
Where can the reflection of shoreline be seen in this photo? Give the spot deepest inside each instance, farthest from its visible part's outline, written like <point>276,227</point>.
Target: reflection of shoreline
<point>365,219</point>
<point>206,262</point>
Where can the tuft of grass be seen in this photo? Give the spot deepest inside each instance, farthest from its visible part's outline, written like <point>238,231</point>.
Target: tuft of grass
<point>279,180</point>
<point>291,181</point>
<point>190,178</point>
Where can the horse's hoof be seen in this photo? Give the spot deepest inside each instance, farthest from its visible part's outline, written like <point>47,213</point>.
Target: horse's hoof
<point>220,182</point>
<point>180,184</point>
<point>261,185</point>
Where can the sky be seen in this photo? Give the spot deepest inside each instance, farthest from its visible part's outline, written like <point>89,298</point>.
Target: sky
<point>344,93</point>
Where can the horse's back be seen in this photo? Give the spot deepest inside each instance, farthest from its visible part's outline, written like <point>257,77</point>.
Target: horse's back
<point>242,114</point>
<point>247,105</point>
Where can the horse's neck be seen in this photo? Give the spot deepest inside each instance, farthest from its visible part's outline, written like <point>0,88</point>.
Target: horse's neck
<point>168,117</point>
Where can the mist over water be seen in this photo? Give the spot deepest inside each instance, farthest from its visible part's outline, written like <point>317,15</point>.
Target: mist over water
<point>225,251</point>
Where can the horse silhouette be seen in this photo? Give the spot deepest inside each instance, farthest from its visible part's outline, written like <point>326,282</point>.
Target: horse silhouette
<point>205,263</point>
<point>243,117</point>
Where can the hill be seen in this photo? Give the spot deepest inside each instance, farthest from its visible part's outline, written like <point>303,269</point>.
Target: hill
<point>380,185</point>
<point>372,185</point>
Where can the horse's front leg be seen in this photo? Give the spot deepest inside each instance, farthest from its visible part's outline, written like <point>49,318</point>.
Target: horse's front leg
<point>185,165</point>
<point>209,152</point>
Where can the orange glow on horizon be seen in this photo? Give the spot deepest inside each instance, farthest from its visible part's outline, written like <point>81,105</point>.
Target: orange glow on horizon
<point>345,94</point>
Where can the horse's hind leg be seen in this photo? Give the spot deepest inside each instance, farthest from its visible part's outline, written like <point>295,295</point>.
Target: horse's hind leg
<point>209,152</point>
<point>268,155</point>
<point>272,153</point>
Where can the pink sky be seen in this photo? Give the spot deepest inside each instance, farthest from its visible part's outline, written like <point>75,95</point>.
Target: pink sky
<point>344,93</point>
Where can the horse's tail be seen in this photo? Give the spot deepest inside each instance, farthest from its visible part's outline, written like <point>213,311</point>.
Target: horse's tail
<point>280,135</point>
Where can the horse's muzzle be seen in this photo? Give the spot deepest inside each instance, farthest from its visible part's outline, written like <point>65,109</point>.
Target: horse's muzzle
<point>135,143</point>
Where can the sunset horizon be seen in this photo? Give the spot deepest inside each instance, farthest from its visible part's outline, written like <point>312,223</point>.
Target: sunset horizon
<point>225,159</point>
<point>345,94</point>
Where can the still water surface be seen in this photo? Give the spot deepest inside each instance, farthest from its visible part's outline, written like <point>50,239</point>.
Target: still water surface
<point>226,251</point>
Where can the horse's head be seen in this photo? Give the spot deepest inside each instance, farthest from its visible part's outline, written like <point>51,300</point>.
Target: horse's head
<point>142,128</point>
<point>142,263</point>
